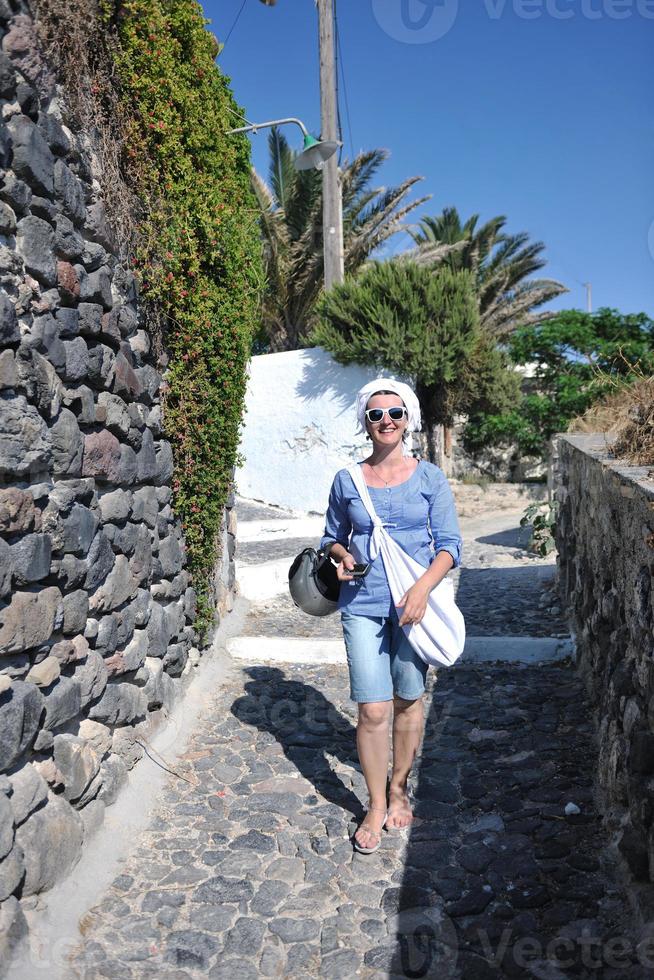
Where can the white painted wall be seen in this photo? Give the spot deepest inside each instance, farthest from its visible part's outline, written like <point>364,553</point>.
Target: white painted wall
<point>299,427</point>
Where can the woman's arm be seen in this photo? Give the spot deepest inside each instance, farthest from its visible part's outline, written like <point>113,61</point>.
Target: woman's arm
<point>345,561</point>
<point>445,531</point>
<point>337,530</point>
<point>443,520</point>
<point>414,601</point>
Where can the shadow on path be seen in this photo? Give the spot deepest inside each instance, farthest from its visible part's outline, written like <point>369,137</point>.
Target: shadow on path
<point>306,724</point>
<point>497,881</point>
<point>513,537</point>
<point>509,601</point>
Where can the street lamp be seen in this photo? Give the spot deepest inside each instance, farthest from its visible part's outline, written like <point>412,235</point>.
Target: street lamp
<point>314,153</point>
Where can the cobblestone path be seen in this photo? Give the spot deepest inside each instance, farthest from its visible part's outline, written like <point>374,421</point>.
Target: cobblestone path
<point>247,869</point>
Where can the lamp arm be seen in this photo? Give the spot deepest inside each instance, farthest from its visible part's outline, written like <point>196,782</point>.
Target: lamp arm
<point>253,127</point>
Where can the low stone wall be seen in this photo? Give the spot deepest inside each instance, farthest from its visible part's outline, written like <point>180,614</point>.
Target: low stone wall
<point>96,605</point>
<point>605,540</point>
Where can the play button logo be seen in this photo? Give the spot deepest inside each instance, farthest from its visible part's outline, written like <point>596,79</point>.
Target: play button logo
<point>415,21</point>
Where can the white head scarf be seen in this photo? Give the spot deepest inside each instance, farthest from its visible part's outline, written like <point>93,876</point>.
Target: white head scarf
<point>397,387</point>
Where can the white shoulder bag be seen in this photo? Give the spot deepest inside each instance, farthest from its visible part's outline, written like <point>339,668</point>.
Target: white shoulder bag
<point>439,637</point>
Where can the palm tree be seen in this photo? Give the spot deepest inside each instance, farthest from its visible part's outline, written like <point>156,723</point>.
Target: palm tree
<point>291,228</point>
<point>500,264</point>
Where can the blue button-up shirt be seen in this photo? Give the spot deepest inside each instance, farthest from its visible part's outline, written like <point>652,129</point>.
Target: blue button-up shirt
<point>419,515</point>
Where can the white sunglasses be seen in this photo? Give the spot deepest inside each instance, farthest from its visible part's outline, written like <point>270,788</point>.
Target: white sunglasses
<point>395,413</point>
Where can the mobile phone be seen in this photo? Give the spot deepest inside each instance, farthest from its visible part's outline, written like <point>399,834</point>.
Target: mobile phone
<point>360,570</point>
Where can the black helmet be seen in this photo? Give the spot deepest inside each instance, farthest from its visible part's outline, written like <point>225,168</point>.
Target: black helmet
<point>313,583</point>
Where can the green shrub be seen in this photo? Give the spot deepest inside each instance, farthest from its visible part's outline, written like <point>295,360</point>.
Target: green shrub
<point>541,516</point>
<point>422,323</point>
<point>198,254</point>
<point>141,77</point>
<point>576,356</point>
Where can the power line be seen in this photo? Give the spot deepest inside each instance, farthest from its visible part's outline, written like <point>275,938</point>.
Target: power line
<point>338,100</point>
<point>339,62</point>
<point>229,33</point>
<point>240,115</point>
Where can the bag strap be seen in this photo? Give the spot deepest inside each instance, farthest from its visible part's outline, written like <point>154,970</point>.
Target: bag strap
<point>326,548</point>
<point>361,486</point>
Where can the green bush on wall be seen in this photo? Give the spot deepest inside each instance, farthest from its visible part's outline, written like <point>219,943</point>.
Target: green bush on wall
<point>198,253</point>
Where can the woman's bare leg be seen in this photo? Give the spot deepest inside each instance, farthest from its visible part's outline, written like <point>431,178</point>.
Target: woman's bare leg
<point>408,726</point>
<point>373,748</point>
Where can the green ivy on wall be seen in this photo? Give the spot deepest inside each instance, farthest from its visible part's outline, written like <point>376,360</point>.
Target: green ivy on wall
<point>198,257</point>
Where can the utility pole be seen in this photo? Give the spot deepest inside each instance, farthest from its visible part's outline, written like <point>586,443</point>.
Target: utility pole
<point>589,296</point>
<point>332,207</point>
<point>332,204</point>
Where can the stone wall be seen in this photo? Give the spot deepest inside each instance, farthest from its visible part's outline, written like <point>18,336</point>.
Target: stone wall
<point>500,464</point>
<point>96,606</point>
<point>605,540</point>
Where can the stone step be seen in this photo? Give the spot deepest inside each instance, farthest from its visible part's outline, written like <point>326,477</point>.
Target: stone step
<point>258,552</point>
<point>478,649</point>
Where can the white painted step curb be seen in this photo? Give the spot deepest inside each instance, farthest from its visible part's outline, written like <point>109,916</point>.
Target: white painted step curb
<point>263,581</point>
<point>290,650</point>
<point>478,649</point>
<point>292,527</point>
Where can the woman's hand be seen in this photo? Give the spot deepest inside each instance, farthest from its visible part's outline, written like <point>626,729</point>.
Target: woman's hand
<point>414,603</point>
<point>346,564</point>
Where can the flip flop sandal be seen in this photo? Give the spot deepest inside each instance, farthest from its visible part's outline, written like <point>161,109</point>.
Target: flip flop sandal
<point>373,833</point>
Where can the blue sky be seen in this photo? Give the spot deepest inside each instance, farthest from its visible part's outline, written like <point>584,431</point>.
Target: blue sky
<point>540,110</point>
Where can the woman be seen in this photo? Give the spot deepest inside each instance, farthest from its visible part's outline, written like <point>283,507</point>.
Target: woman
<point>414,500</point>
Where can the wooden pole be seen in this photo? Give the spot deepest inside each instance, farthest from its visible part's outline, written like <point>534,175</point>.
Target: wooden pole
<point>332,211</point>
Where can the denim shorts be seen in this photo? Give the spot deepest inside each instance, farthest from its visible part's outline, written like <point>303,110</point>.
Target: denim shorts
<point>381,661</point>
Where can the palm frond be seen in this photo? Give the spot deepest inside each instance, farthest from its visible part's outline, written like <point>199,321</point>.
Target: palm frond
<point>500,263</point>
<point>282,170</point>
<point>433,254</point>
<point>382,222</point>
<point>357,174</point>
<point>514,309</point>
<point>274,231</point>
<point>383,203</point>
<point>301,203</point>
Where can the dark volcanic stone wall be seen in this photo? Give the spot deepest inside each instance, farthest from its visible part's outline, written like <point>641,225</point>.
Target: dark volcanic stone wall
<point>96,607</point>
<point>605,540</point>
